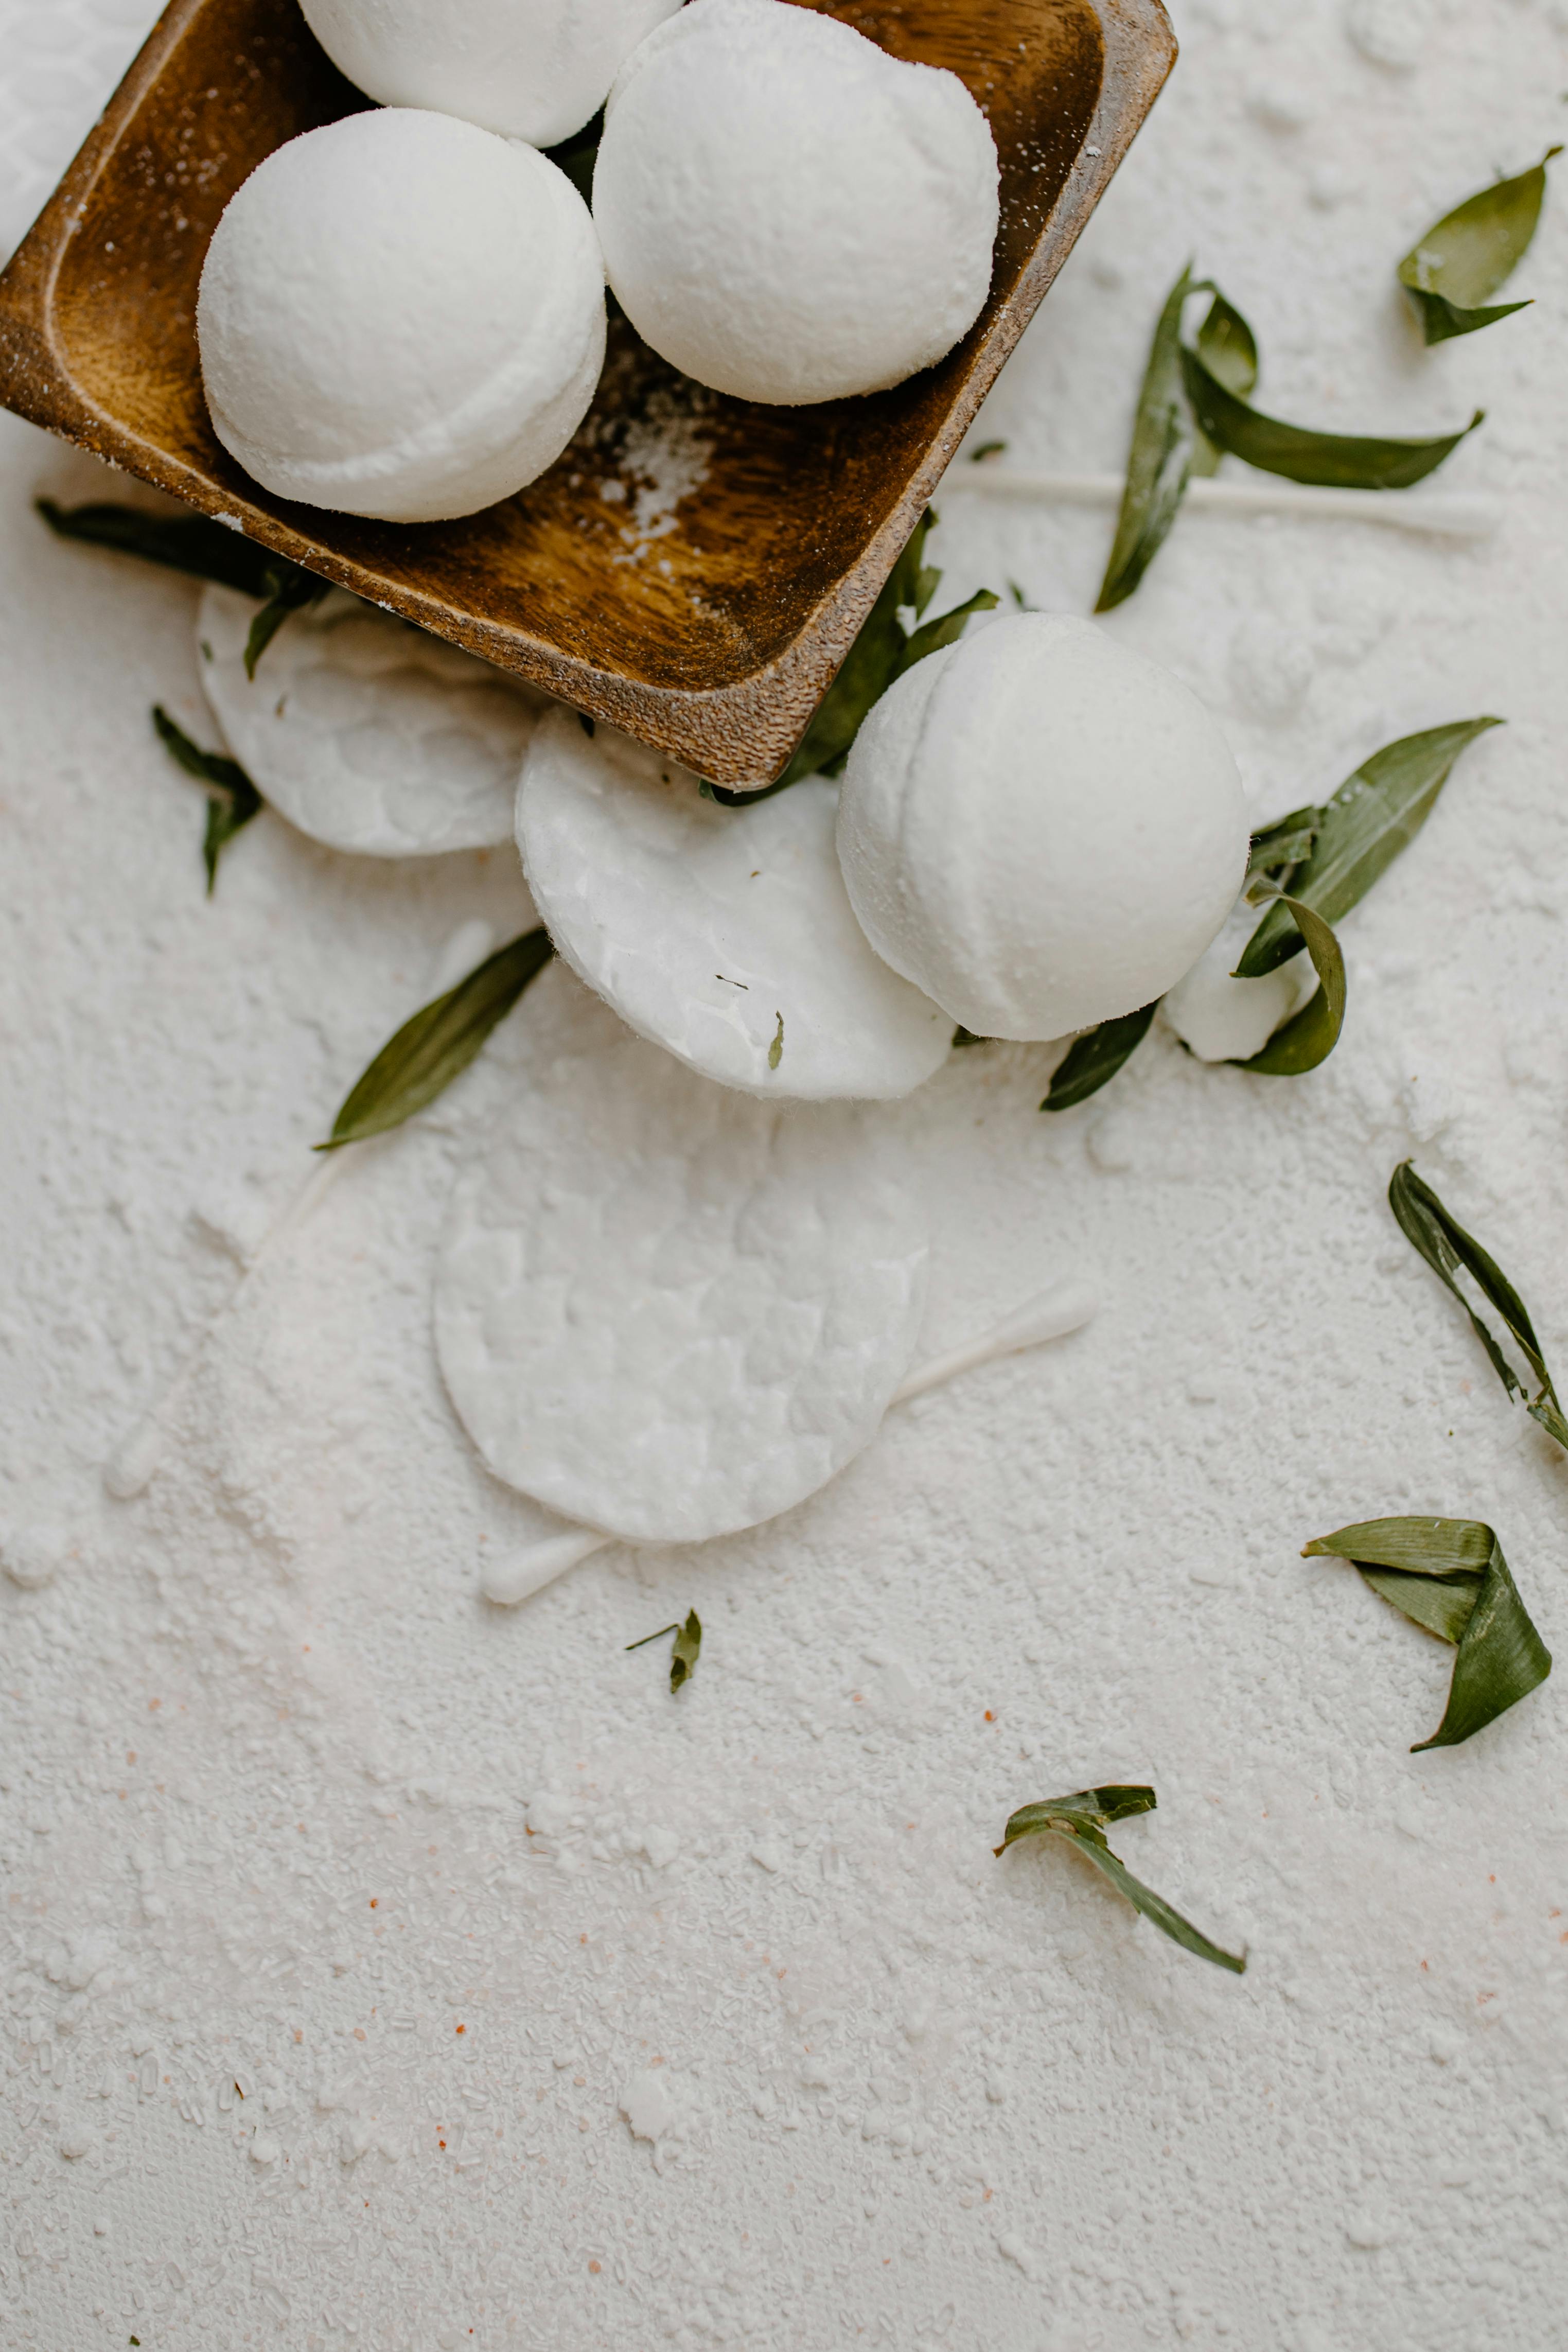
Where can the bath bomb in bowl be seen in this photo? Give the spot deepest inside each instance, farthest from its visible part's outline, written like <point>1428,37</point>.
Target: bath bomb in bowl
<point>533,69</point>
<point>788,214</point>
<point>401,316</point>
<point>1040,829</point>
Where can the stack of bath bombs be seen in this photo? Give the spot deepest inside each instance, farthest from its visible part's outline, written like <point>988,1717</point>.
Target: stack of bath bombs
<point>402,314</point>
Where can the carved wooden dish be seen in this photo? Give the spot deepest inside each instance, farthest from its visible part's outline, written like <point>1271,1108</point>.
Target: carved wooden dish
<point>710,626</point>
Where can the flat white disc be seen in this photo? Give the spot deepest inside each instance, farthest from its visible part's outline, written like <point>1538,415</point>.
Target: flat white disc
<point>666,1311</point>
<point>724,935</point>
<point>368,735</point>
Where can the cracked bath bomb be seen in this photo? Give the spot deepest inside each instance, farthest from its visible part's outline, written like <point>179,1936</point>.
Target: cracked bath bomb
<point>401,316</point>
<point>366,733</point>
<point>722,934</point>
<point>788,214</point>
<point>533,69</point>
<point>1040,829</point>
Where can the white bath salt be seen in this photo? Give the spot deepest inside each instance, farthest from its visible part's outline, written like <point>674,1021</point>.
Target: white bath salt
<point>368,734</point>
<point>1223,1019</point>
<point>668,1312</point>
<point>401,315</point>
<point>533,69</point>
<point>1040,829</point>
<point>788,213</point>
<point>724,935</point>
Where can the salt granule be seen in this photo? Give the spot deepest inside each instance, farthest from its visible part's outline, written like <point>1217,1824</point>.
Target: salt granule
<point>402,316</point>
<point>1041,828</point>
<point>788,214</point>
<point>724,935</point>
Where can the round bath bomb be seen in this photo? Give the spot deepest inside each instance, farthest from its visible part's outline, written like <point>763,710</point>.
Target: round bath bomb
<point>402,316</point>
<point>533,69</point>
<point>1223,1019</point>
<point>665,1310</point>
<point>368,734</point>
<point>788,213</point>
<point>1040,829</point>
<point>724,935</point>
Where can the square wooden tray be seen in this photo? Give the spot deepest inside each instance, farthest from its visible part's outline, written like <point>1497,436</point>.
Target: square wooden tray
<point>710,627</point>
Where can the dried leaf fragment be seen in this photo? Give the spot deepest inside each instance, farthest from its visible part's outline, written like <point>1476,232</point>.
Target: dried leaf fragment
<point>1081,1821</point>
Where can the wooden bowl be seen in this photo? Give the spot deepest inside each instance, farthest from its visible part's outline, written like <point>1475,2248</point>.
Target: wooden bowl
<point>710,627</point>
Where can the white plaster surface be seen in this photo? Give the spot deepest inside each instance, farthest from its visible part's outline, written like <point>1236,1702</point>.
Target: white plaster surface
<point>283,1806</point>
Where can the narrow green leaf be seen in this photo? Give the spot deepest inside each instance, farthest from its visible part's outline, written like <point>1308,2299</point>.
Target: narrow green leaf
<point>1081,1820</point>
<point>1092,1060</point>
<point>1228,350</point>
<point>1310,1035</point>
<point>776,1051</point>
<point>1376,814</point>
<point>420,1063</point>
<point>232,799</point>
<point>1334,460</point>
<point>986,449</point>
<point>190,543</point>
<point>291,589</point>
<point>1465,256</point>
<point>1448,1248</point>
<point>1449,1577</point>
<point>686,1652</point>
<point>1158,461</point>
<point>882,652</point>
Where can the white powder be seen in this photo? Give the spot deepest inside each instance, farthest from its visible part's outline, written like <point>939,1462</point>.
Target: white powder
<point>918,2097</point>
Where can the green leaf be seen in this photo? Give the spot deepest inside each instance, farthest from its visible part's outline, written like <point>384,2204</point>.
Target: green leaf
<point>1159,460</point>
<point>986,449</point>
<point>1375,814</point>
<point>232,799</point>
<point>1448,1249</point>
<point>1334,460</point>
<point>291,589</point>
<point>1228,350</point>
<point>1449,1576</point>
<point>1310,1035</point>
<point>1092,1060</point>
<point>776,1051</point>
<point>882,653</point>
<point>1450,272</point>
<point>687,1650</point>
<point>1081,1820</point>
<point>437,1045</point>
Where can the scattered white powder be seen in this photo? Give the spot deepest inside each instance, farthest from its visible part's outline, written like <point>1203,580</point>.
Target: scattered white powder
<point>268,1768</point>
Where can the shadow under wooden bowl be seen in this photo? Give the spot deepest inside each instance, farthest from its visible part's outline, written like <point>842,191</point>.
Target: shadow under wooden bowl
<point>694,569</point>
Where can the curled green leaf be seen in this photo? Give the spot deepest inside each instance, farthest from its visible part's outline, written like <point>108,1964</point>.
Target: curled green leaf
<point>438,1044</point>
<point>1310,1035</point>
<point>1450,1251</point>
<point>1450,272</point>
<point>686,1652</point>
<point>1081,1821</point>
<point>1451,1577</point>
<point>232,799</point>
<point>1333,460</point>
<point>1160,458</point>
<point>1376,814</point>
<point>1228,350</point>
<point>1092,1060</point>
<point>883,651</point>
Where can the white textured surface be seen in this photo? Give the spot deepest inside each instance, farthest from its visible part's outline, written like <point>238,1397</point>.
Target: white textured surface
<point>919,2098</point>
<point>706,928</point>
<point>401,315</point>
<point>668,1313</point>
<point>534,69</point>
<point>367,734</point>
<point>787,213</point>
<point>1041,828</point>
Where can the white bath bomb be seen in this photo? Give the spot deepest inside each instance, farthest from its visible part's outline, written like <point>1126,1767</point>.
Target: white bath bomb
<point>368,734</point>
<point>669,1311</point>
<point>1040,829</point>
<point>1227,1020</point>
<point>401,316</point>
<point>788,213</point>
<point>724,935</point>
<point>533,69</point>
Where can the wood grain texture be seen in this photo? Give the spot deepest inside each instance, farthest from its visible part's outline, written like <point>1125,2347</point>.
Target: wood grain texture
<point>714,641</point>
